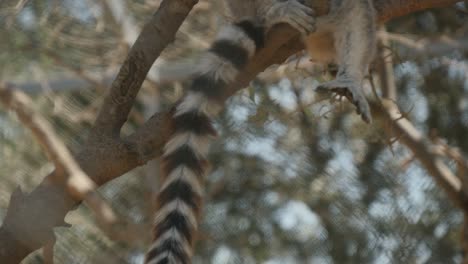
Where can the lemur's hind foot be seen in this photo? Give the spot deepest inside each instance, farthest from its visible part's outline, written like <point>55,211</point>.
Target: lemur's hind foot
<point>352,90</point>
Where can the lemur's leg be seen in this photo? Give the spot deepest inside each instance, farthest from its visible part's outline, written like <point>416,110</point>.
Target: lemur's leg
<point>355,44</point>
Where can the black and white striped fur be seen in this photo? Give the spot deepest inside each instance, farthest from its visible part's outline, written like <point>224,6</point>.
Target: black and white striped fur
<point>184,162</point>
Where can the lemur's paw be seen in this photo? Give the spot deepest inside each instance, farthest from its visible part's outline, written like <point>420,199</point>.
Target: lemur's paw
<point>295,14</point>
<point>352,91</point>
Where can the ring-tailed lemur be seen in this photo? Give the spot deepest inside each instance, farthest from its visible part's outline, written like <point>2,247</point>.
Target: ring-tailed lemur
<point>184,157</point>
<point>350,32</point>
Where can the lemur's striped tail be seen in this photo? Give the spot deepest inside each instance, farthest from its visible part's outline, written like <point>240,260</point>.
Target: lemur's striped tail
<point>184,161</point>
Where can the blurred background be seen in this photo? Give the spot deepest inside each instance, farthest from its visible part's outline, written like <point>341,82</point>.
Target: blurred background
<point>295,179</point>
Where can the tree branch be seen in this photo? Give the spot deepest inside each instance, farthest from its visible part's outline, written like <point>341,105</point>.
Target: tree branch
<point>424,151</point>
<point>68,172</point>
<point>388,9</point>
<point>155,36</point>
<point>430,158</point>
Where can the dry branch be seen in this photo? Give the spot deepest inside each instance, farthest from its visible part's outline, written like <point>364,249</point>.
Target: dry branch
<point>427,150</point>
<point>76,182</point>
<point>428,154</point>
<point>423,149</point>
<point>107,156</point>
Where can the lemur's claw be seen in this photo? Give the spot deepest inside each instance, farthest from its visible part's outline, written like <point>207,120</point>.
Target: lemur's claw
<point>352,92</point>
<point>297,15</point>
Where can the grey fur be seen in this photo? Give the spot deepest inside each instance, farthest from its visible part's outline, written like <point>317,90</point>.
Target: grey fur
<point>346,36</point>
<point>351,23</point>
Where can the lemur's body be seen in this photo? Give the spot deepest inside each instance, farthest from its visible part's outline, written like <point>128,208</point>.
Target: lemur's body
<point>184,159</point>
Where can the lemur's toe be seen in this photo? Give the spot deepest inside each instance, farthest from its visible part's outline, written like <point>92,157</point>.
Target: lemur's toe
<point>363,109</point>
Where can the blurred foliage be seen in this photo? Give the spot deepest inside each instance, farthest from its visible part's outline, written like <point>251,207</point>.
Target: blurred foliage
<point>293,180</point>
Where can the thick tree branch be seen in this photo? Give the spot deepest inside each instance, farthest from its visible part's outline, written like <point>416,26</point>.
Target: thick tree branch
<point>107,156</point>
<point>388,9</point>
<point>155,36</point>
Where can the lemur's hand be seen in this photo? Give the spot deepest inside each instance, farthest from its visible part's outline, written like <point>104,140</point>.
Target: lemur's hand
<point>353,91</point>
<point>292,12</point>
